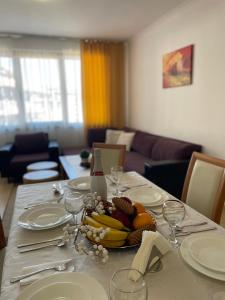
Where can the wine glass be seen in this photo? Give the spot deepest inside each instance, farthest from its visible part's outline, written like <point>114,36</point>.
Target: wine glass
<point>116,173</point>
<point>74,204</point>
<point>124,287</point>
<point>173,213</point>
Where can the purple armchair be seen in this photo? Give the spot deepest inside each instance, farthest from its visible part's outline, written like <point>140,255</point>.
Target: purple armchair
<point>26,149</point>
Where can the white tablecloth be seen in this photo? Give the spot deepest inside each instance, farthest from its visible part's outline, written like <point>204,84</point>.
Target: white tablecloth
<point>175,281</point>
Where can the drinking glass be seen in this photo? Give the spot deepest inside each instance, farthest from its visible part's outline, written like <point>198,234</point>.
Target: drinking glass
<point>173,213</point>
<point>122,287</point>
<point>116,173</point>
<point>74,204</point>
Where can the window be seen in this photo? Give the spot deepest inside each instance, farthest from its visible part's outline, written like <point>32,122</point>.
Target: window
<point>9,110</point>
<point>73,91</point>
<point>36,89</point>
<point>41,89</point>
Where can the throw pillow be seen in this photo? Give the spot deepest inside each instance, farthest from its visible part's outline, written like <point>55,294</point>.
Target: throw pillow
<point>112,136</point>
<point>126,138</point>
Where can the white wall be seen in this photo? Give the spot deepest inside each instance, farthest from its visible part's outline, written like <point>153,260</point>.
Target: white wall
<point>196,112</point>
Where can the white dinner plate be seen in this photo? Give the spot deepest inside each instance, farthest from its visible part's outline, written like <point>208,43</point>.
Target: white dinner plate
<point>148,196</point>
<point>209,251</point>
<point>44,217</point>
<point>185,253</point>
<point>65,286</point>
<point>80,184</point>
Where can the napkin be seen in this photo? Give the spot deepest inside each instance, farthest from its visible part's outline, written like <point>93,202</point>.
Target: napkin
<point>35,277</point>
<point>141,259</point>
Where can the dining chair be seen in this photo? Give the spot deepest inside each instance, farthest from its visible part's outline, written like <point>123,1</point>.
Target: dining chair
<point>204,185</point>
<point>2,236</point>
<point>111,154</point>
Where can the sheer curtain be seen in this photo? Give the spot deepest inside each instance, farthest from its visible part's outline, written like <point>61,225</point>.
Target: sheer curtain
<point>40,89</point>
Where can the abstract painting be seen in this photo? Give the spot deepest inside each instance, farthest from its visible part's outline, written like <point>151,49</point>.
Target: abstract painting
<point>177,67</point>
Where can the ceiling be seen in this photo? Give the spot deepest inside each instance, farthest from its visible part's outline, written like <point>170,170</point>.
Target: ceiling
<point>112,19</point>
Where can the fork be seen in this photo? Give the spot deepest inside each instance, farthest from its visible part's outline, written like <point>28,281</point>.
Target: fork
<point>59,268</point>
<point>183,233</point>
<point>181,227</point>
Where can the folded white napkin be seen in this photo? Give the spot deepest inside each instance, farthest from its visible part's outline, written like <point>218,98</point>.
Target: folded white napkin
<point>141,259</point>
<point>35,277</point>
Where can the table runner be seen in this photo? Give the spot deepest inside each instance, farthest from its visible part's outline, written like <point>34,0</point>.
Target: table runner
<point>176,281</point>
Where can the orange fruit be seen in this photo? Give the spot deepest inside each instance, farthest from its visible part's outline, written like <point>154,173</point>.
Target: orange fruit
<point>142,220</point>
<point>139,207</point>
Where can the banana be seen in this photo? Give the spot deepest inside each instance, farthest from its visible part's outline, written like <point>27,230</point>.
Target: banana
<point>113,238</point>
<point>109,244</point>
<point>90,221</point>
<point>112,234</point>
<point>108,221</point>
<point>112,244</point>
<point>115,235</point>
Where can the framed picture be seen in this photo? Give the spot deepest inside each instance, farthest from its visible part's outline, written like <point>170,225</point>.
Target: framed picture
<point>177,67</point>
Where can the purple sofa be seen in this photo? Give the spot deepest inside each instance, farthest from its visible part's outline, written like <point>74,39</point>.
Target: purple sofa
<point>147,147</point>
<point>162,160</point>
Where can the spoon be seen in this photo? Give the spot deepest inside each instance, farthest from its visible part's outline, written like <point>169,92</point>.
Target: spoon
<point>60,267</point>
<point>60,243</point>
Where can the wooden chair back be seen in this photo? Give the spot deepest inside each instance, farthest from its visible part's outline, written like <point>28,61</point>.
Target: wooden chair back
<point>204,186</point>
<point>111,155</point>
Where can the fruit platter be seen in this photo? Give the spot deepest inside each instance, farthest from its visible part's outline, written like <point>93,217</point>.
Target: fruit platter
<point>117,224</point>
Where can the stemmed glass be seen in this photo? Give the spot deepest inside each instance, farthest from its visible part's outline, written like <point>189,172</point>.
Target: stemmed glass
<point>116,173</point>
<point>128,284</point>
<point>173,213</point>
<point>74,204</point>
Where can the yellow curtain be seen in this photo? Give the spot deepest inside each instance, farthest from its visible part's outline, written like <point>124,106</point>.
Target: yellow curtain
<point>102,65</point>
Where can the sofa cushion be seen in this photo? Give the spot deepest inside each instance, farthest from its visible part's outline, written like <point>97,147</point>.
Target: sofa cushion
<point>112,136</point>
<point>143,143</point>
<point>126,138</point>
<point>166,148</point>
<point>19,162</point>
<point>29,158</point>
<point>31,143</point>
<point>135,162</point>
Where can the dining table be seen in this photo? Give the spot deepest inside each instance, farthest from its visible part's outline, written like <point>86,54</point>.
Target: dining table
<point>177,280</point>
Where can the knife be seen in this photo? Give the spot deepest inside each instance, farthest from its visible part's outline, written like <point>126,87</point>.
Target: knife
<point>40,242</point>
<point>183,233</point>
<point>58,244</point>
<point>126,188</point>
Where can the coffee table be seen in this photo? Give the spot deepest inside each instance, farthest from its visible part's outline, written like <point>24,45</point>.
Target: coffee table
<point>72,168</point>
